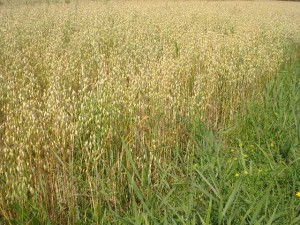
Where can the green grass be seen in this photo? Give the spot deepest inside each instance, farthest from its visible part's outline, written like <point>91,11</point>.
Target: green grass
<point>245,173</point>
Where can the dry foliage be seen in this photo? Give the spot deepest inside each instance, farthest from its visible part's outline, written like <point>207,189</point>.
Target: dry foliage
<point>77,80</point>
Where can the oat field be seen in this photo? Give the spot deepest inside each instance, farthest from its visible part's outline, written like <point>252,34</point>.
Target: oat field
<point>149,112</point>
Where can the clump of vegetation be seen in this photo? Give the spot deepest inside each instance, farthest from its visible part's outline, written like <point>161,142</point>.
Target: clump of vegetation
<point>144,113</point>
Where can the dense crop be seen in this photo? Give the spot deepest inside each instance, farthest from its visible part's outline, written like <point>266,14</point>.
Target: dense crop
<point>97,99</point>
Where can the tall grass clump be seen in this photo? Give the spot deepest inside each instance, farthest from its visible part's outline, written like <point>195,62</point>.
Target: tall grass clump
<point>144,113</point>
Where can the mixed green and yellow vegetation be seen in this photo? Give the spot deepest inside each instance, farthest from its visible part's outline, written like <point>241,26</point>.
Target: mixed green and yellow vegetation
<point>150,112</point>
